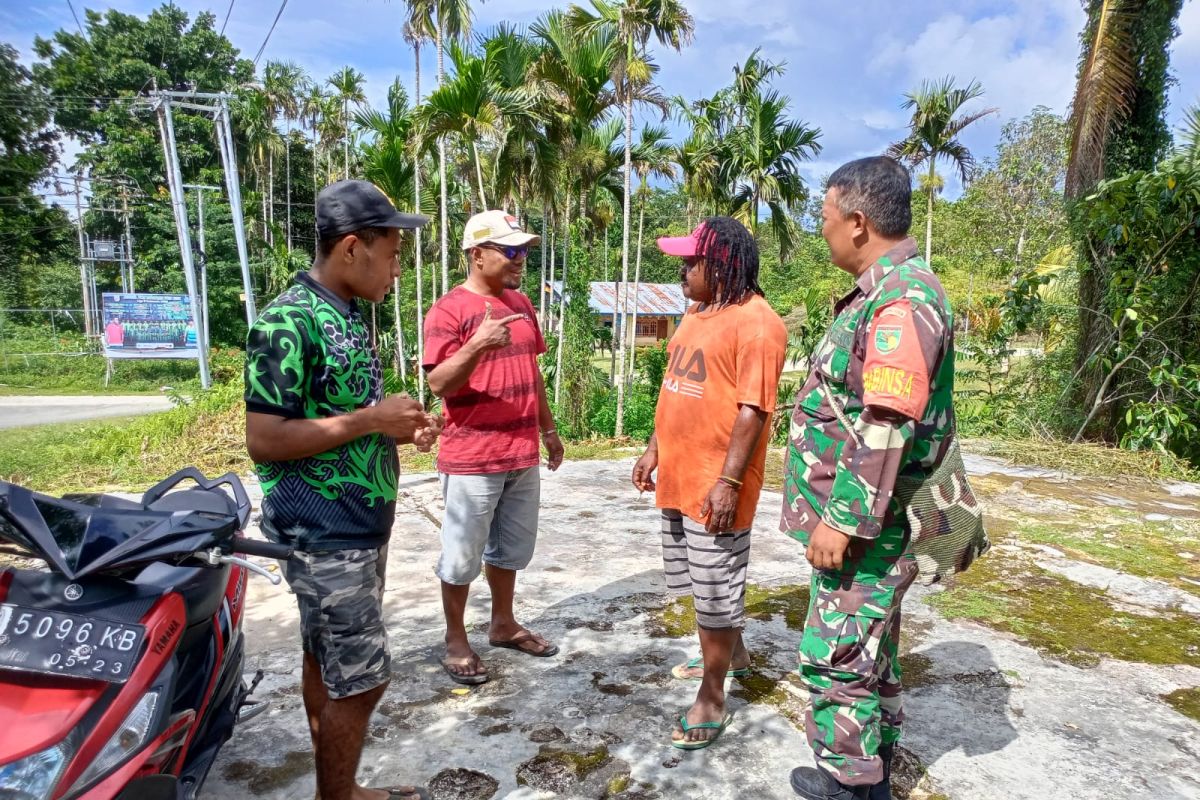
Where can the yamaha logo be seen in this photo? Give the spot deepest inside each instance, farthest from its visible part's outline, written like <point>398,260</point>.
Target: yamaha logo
<point>73,591</point>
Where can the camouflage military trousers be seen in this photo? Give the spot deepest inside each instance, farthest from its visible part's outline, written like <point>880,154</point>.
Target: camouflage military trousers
<point>849,660</point>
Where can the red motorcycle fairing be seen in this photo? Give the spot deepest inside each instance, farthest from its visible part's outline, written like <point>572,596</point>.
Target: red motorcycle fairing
<point>116,781</point>
<point>65,701</point>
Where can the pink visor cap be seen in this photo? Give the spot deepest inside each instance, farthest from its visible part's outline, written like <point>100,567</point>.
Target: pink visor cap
<point>682,246</point>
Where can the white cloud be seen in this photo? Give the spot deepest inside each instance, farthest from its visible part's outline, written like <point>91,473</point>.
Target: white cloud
<point>1021,59</point>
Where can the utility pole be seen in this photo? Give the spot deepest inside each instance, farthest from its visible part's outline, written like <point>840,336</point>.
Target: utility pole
<point>233,185</point>
<point>202,325</point>
<point>217,106</point>
<point>84,283</point>
<point>128,233</point>
<point>175,184</point>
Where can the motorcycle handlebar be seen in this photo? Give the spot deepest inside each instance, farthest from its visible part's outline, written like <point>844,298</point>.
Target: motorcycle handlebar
<point>254,547</point>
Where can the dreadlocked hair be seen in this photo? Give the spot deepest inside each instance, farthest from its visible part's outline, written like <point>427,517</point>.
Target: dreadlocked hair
<point>730,260</point>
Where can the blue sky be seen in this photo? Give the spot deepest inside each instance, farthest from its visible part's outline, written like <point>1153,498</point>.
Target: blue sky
<point>849,64</point>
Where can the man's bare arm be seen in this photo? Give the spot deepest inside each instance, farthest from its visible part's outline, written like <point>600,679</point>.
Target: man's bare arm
<point>274,438</point>
<point>452,374</point>
<point>747,429</point>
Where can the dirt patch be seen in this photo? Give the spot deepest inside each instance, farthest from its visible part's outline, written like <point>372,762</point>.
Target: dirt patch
<point>462,784</point>
<point>617,689</point>
<point>492,712</point>
<point>260,778</point>
<point>543,733</point>
<point>910,779</point>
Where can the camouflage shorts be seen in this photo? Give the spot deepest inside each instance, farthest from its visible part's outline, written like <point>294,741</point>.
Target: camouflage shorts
<point>340,594</point>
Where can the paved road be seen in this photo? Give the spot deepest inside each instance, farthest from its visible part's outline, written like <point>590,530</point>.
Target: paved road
<point>20,411</point>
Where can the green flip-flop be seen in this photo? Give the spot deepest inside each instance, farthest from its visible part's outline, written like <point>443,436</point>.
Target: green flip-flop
<point>719,727</point>
<point>680,670</point>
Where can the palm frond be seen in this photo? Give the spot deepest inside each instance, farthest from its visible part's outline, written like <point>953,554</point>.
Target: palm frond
<point>1103,95</point>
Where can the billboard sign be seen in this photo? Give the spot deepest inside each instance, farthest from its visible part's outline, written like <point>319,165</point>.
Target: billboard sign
<point>149,326</point>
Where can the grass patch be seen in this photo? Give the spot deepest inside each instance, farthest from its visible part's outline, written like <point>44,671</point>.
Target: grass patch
<point>1087,460</point>
<point>1185,701</point>
<point>130,454</point>
<point>209,433</point>
<point>1063,619</point>
<point>74,375</point>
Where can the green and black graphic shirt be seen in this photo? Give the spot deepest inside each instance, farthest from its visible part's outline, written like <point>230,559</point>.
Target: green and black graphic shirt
<point>309,356</point>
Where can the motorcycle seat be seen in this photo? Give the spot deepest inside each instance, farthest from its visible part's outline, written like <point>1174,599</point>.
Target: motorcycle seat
<point>209,500</point>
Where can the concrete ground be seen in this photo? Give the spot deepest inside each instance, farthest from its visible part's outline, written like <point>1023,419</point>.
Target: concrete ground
<point>989,716</point>
<point>19,411</point>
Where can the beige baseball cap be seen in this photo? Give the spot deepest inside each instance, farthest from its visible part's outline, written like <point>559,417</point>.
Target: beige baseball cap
<point>496,227</point>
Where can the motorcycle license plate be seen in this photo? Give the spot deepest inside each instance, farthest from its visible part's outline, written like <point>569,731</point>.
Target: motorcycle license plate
<point>56,643</point>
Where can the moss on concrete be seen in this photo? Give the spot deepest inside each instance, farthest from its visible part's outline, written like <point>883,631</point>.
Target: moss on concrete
<point>1063,619</point>
<point>678,618</point>
<point>1136,547</point>
<point>763,687</point>
<point>617,784</point>
<point>916,670</point>
<point>582,764</point>
<point>1185,701</point>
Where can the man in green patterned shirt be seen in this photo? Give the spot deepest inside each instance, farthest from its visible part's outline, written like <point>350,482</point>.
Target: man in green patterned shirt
<point>876,406</point>
<point>323,439</point>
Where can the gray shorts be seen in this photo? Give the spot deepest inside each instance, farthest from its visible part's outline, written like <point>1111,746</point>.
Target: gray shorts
<point>710,567</point>
<point>340,594</point>
<point>489,518</point>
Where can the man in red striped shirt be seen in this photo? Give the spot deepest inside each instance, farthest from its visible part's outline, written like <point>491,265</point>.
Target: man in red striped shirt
<point>482,341</point>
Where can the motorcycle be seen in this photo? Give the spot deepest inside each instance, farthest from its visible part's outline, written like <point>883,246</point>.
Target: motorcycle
<point>121,663</point>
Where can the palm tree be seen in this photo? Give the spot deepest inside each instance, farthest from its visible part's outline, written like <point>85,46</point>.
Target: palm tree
<point>651,158</point>
<point>283,83</point>
<point>571,75</point>
<point>933,133</point>
<point>388,163</point>
<point>311,108</point>
<point>348,84</point>
<point>452,20</point>
<point>763,157</point>
<point>633,23</point>
<point>262,140</point>
<point>474,105</point>
<point>417,29</point>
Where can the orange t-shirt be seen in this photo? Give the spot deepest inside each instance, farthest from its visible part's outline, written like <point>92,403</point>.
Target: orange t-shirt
<point>718,359</point>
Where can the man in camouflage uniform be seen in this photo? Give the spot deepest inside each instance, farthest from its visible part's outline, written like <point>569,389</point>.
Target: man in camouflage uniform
<point>876,405</point>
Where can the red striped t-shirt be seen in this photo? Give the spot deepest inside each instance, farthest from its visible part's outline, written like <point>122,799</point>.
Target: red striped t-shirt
<point>492,421</point>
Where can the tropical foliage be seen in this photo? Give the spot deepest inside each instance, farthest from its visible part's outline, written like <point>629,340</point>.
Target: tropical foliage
<point>1070,254</point>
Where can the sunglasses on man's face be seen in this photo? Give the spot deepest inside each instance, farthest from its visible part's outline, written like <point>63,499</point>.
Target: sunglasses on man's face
<point>510,252</point>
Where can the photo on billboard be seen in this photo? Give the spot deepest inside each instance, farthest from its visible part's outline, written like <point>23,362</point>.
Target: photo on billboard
<point>149,326</point>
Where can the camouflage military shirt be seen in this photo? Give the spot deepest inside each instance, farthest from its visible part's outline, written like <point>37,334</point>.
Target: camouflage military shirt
<point>309,355</point>
<point>887,360</point>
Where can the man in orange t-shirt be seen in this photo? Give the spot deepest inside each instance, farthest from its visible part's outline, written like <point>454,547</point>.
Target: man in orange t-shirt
<point>709,446</point>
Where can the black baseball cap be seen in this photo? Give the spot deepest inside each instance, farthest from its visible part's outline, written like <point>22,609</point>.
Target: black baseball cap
<point>348,206</point>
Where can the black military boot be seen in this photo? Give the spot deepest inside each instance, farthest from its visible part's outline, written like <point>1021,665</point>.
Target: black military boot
<point>817,784</point>
<point>883,789</point>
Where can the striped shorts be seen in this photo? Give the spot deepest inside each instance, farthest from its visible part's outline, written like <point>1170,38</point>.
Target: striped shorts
<point>711,567</point>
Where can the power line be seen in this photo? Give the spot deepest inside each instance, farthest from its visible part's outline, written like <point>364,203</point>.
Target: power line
<point>257,56</point>
<point>227,13</point>
<point>76,16</point>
